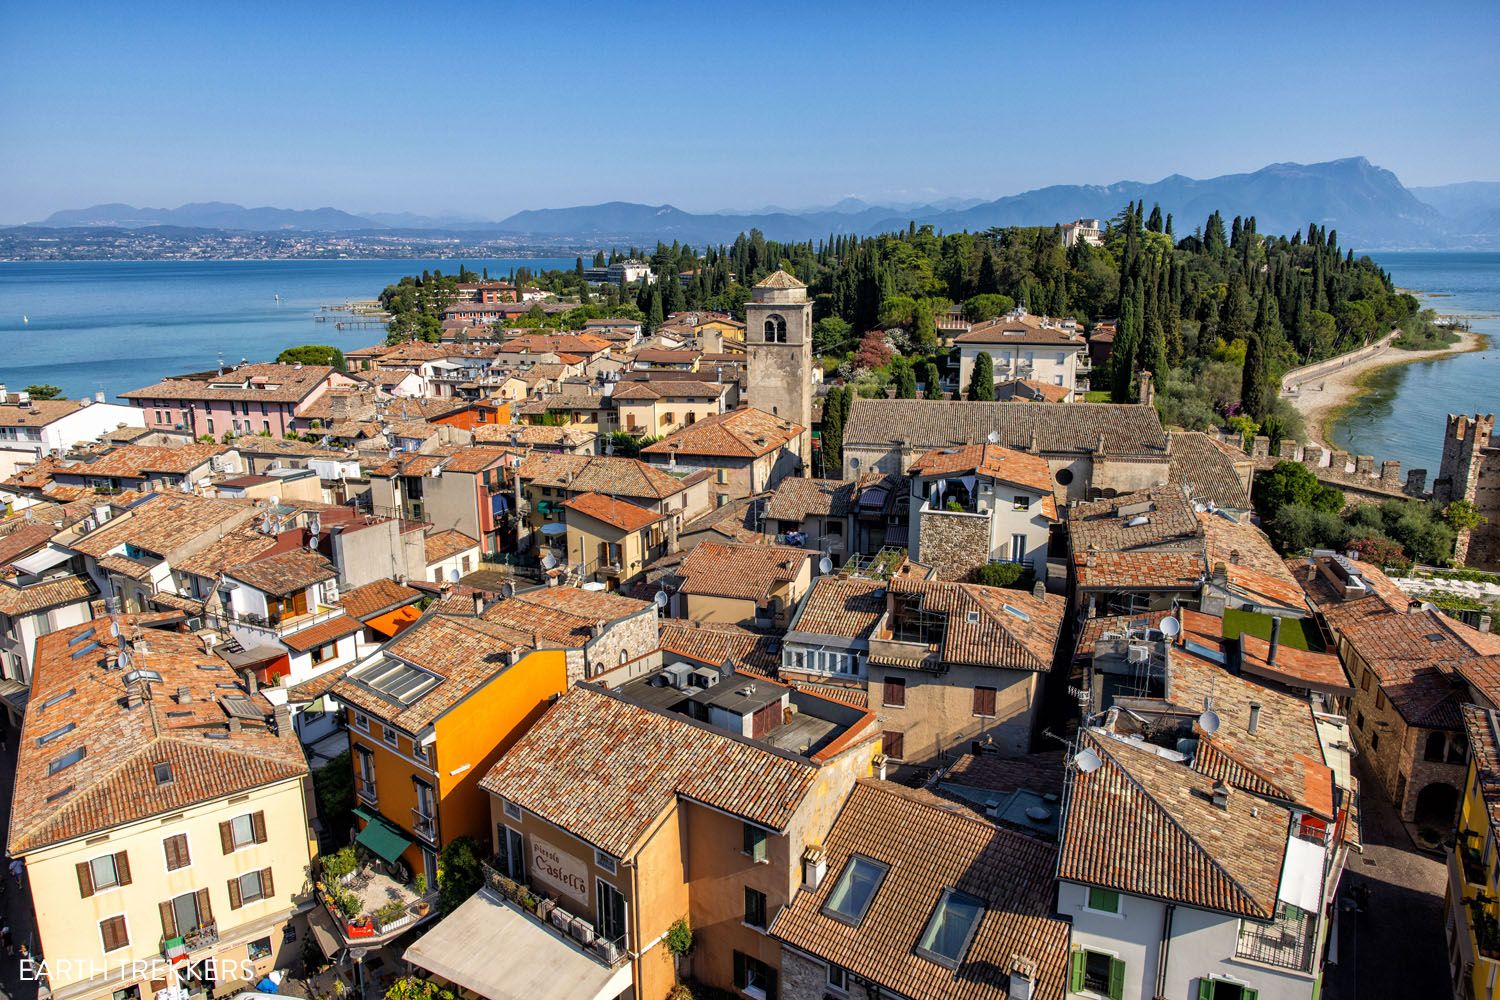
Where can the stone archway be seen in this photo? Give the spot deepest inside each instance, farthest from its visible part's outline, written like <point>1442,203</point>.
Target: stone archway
<point>1436,807</point>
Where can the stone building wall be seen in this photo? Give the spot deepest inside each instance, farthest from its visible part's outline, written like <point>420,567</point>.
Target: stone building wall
<point>954,544</point>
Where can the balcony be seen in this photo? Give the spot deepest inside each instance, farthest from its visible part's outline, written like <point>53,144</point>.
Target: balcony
<point>192,941</point>
<point>1288,942</point>
<point>575,930</point>
<point>263,630</point>
<point>424,824</point>
<point>367,905</point>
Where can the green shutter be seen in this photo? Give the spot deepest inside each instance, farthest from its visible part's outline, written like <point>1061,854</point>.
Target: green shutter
<point>1248,994</point>
<point>1116,979</point>
<point>1205,989</point>
<point>1075,977</point>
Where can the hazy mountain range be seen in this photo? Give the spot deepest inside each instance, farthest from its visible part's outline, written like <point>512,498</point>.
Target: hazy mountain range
<point>1368,206</point>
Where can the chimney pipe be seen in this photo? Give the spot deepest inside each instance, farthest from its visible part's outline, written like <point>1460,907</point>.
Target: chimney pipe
<point>1275,638</point>
<point>252,682</point>
<point>1039,590</point>
<point>478,604</point>
<point>1221,795</point>
<point>1254,718</point>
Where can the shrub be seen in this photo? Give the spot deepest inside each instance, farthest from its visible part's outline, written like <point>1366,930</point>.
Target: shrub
<point>340,863</point>
<point>1017,576</point>
<point>460,876</point>
<point>680,937</point>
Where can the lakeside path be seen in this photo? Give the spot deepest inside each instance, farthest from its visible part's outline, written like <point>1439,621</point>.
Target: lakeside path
<point>1320,398</point>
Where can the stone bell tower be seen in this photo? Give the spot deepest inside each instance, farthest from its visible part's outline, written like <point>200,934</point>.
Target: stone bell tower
<point>778,345</point>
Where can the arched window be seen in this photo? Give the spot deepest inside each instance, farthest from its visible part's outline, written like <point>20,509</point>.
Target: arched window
<point>775,329</point>
<point>624,657</point>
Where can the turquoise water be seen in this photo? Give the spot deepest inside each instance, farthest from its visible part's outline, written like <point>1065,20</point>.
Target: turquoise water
<point>1403,415</point>
<point>119,325</point>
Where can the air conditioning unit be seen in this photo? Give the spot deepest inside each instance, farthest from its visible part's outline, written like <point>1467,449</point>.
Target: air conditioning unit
<point>705,678</point>
<point>1138,653</point>
<point>582,931</point>
<point>561,919</point>
<point>680,675</point>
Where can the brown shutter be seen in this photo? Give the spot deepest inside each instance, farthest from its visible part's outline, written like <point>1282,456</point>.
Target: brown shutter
<point>234,894</point>
<point>895,691</point>
<point>984,701</point>
<point>894,744</point>
<point>112,931</point>
<point>177,852</point>
<point>205,911</point>
<point>266,885</point>
<point>168,920</point>
<point>85,879</point>
<point>258,824</point>
<point>226,837</point>
<point>122,868</point>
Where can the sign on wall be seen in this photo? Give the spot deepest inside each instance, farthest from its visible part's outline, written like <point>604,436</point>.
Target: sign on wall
<point>561,871</point>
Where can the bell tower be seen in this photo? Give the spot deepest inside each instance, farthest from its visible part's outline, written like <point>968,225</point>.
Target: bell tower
<point>778,345</point>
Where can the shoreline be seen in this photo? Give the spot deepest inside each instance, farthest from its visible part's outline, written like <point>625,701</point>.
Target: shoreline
<point>1337,392</point>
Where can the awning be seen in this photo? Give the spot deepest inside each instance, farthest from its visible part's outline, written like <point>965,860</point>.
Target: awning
<point>490,947</point>
<point>323,932</point>
<point>1302,875</point>
<point>43,560</point>
<point>381,837</point>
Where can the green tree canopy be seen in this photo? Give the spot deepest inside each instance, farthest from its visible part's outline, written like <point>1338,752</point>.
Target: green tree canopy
<point>43,391</point>
<point>1292,484</point>
<point>312,354</point>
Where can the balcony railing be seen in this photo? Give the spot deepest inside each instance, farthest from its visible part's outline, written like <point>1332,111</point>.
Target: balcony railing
<point>367,789</point>
<point>573,929</point>
<point>1288,942</point>
<point>198,938</point>
<point>423,824</point>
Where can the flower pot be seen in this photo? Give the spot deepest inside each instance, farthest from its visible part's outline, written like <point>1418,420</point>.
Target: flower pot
<point>423,907</point>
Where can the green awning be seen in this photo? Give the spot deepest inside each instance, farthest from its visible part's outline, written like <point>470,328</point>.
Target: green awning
<point>379,836</point>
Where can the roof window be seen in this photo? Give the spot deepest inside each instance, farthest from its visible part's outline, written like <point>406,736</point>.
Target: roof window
<point>855,890</point>
<point>951,928</point>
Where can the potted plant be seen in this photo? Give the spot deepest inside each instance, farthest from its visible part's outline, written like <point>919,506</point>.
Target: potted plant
<point>419,886</point>
<point>340,865</point>
<point>390,913</point>
<point>680,944</point>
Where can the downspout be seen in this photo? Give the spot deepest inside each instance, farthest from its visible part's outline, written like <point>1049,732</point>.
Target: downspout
<point>1165,952</point>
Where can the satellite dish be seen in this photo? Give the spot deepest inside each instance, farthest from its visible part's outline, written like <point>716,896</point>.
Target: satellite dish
<point>122,660</point>
<point>661,598</point>
<point>507,590</point>
<point>312,542</point>
<point>274,500</point>
<point>1171,627</point>
<point>1087,761</point>
<point>549,561</point>
<point>1208,722</point>
<point>825,565</point>
<point>454,575</point>
<point>993,437</point>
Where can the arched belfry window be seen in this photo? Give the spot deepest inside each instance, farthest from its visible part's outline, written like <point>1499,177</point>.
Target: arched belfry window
<point>775,329</point>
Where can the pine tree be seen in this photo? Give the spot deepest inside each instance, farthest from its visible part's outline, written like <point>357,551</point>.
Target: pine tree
<point>982,381</point>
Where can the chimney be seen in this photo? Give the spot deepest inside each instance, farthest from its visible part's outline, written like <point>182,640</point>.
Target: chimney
<point>814,867</point>
<point>1221,795</point>
<point>252,682</point>
<point>880,761</point>
<point>1412,607</point>
<point>1275,638</point>
<point>1220,574</point>
<point>1039,590</point>
<point>596,629</point>
<point>283,720</point>
<point>234,724</point>
<point>1254,718</point>
<point>478,603</point>
<point>184,695</point>
<point>99,396</point>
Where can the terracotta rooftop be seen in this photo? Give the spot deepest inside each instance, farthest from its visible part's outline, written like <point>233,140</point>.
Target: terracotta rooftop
<point>713,643</point>
<point>80,705</point>
<point>564,617</point>
<point>1252,565</point>
<point>744,572</point>
<point>779,279</point>
<point>39,413</point>
<point>461,652</point>
<point>134,461</point>
<point>16,601</point>
<point>796,498</point>
<point>240,544</point>
<point>1063,429</point>
<point>930,846</point>
<point>669,389</point>
<point>285,573</point>
<point>269,382</point>
<point>1159,518</point>
<point>1026,329</point>
<point>635,763</point>
<point>742,433</point>
<point>1148,570</point>
<point>987,626</point>
<point>377,597</point>
<point>1208,466</point>
<point>164,523</point>
<point>1482,727</point>
<point>847,607</point>
<point>442,545</point>
<point>1005,465</point>
<point>324,632</point>
<point>1143,825</point>
<point>621,514</point>
<point>607,474</point>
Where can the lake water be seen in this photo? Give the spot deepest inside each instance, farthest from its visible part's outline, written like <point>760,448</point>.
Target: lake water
<point>120,325</point>
<point>1404,414</point>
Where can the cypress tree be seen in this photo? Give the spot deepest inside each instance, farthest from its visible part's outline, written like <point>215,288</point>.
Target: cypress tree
<point>1127,340</point>
<point>932,381</point>
<point>832,436</point>
<point>982,381</point>
<point>906,382</point>
<point>1255,382</point>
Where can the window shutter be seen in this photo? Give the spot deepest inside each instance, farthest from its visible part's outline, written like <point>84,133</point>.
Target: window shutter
<point>1075,973</point>
<point>1205,989</point>
<point>1116,979</point>
<point>266,886</point>
<point>112,931</point>
<point>122,868</point>
<point>234,894</point>
<point>205,911</point>
<point>85,879</point>
<point>894,745</point>
<point>226,837</point>
<point>1248,994</point>
<point>770,974</point>
<point>895,691</point>
<point>739,970</point>
<point>168,920</point>
<point>258,824</point>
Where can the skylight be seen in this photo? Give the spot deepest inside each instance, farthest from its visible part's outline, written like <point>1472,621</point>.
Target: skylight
<point>87,633</point>
<point>70,692</point>
<point>66,761</point>
<point>162,772</point>
<point>56,734</point>
<point>951,928</point>
<point>855,890</point>
<point>400,682</point>
<point>85,650</point>
<point>142,675</point>
<point>1015,611</point>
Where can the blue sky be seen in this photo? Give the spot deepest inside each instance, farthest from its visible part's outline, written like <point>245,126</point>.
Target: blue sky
<point>487,108</point>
